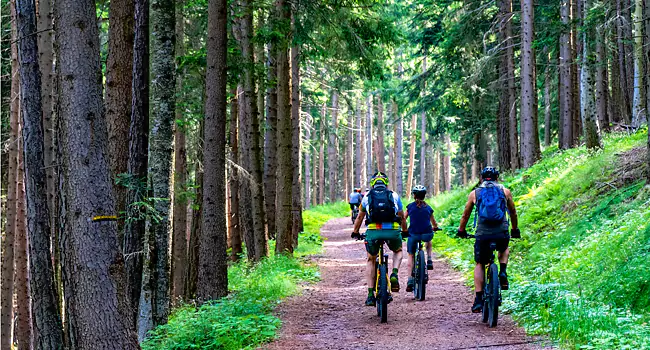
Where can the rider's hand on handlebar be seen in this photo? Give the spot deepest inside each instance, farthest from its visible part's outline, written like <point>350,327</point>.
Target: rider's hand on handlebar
<point>355,235</point>
<point>515,233</point>
<point>405,234</point>
<point>462,233</point>
<point>437,229</point>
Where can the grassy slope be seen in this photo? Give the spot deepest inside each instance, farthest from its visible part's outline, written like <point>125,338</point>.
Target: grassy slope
<point>244,319</point>
<point>581,271</point>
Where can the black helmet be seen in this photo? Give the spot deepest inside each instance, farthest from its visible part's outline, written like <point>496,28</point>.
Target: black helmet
<point>490,174</point>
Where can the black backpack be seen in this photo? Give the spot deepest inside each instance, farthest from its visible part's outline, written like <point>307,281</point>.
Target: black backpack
<point>381,207</point>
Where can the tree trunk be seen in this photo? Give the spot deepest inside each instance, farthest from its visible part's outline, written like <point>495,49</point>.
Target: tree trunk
<point>163,21</point>
<point>332,161</point>
<point>622,66</point>
<point>8,239</point>
<point>245,194</point>
<point>399,185</point>
<point>547,99</point>
<point>296,191</point>
<point>284,238</point>
<point>446,160</point>
<point>119,70</point>
<point>365,177</point>
<point>576,48</point>
<point>616,104</point>
<point>308,172</point>
<point>252,134</point>
<point>436,173</point>
<point>530,149</point>
<point>587,86</point>
<point>628,30</point>
<point>233,183</point>
<point>503,122</point>
<point>565,96</point>
<point>212,280</point>
<point>134,230</point>
<point>411,169</point>
<point>358,177</point>
<point>98,308</point>
<point>602,89</point>
<point>313,183</point>
<point>381,153</point>
<point>195,231</point>
<point>179,241</point>
<point>23,332</point>
<point>270,142</point>
<point>510,84</point>
<point>48,327</point>
<point>639,100</point>
<point>423,134</point>
<point>321,157</point>
<point>369,143</point>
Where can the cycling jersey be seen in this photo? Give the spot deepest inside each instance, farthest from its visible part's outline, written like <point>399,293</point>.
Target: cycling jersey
<point>384,225</point>
<point>355,198</point>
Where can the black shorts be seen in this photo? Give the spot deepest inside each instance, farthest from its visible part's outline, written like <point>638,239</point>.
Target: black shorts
<point>353,205</point>
<point>482,251</point>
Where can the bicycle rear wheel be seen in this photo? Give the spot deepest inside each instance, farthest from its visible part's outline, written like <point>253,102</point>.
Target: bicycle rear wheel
<point>495,291</point>
<point>486,308</point>
<point>420,276</point>
<point>382,294</point>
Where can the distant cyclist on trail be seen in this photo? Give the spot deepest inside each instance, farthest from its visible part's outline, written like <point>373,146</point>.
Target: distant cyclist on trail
<point>355,199</point>
<point>494,204</point>
<point>421,227</point>
<point>385,217</point>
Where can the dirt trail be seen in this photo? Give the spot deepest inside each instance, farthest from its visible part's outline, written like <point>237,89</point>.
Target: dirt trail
<point>331,314</point>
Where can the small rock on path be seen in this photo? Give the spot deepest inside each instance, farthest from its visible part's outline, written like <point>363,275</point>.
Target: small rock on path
<point>331,313</point>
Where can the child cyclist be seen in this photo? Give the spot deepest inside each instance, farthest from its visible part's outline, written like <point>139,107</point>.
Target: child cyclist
<point>421,228</point>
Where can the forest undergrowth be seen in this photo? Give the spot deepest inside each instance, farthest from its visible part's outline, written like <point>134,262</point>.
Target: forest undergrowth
<point>580,271</point>
<point>245,318</point>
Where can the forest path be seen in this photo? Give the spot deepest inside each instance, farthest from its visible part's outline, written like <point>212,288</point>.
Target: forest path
<point>331,314</point>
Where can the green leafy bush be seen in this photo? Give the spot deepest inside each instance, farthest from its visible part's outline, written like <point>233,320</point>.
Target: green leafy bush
<point>245,319</point>
<point>580,272</point>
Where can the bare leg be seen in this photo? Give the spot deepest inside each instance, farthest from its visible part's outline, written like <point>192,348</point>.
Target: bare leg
<point>411,263</point>
<point>503,257</point>
<point>479,277</point>
<point>428,244</point>
<point>370,271</point>
<point>397,259</point>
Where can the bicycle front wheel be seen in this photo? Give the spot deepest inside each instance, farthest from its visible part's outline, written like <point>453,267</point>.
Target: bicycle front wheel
<point>420,277</point>
<point>494,291</point>
<point>382,294</point>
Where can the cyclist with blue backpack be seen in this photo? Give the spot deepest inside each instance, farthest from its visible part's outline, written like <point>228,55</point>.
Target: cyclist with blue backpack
<point>383,212</point>
<point>494,204</point>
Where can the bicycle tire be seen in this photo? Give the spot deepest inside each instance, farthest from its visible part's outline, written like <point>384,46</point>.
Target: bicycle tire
<point>486,309</point>
<point>494,287</point>
<point>420,283</point>
<point>382,302</point>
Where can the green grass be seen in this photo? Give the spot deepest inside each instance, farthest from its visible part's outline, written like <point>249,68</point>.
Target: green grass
<point>581,271</point>
<point>245,319</point>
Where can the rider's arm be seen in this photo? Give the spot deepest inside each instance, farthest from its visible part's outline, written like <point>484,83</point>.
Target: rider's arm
<point>468,211</point>
<point>359,221</point>
<point>403,223</point>
<point>434,224</point>
<point>511,208</point>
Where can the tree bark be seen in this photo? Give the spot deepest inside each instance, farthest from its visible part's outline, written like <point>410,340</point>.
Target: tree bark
<point>284,237</point>
<point>195,231</point>
<point>530,149</point>
<point>296,191</point>
<point>625,109</point>
<point>503,122</point>
<point>602,89</point>
<point>411,169</point>
<point>423,134</point>
<point>399,185</point>
<point>119,69</point>
<point>233,183</point>
<point>565,96</point>
<point>369,141</point>
<point>446,164</point>
<point>179,241</point>
<point>163,21</point>
<point>47,322</point>
<point>98,308</point>
<point>134,230</point>
<point>332,147</point>
<point>576,48</point>
<point>9,237</point>
<point>308,171</point>
<point>270,142</point>
<point>381,152</point>
<point>547,99</point>
<point>639,100</point>
<point>515,162</point>
<point>358,177</point>
<point>587,85</point>
<point>365,177</point>
<point>212,280</point>
<point>23,331</point>
<point>321,157</point>
<point>436,173</point>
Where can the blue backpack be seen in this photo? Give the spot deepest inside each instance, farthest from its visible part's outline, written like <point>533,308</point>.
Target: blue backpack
<point>490,204</point>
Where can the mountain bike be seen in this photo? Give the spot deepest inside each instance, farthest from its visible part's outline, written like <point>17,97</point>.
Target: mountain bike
<point>382,282</point>
<point>355,213</point>
<point>420,273</point>
<point>491,289</point>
